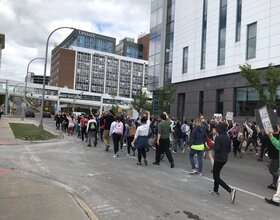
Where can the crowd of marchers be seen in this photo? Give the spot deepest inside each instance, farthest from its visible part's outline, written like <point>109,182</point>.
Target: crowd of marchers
<point>213,139</point>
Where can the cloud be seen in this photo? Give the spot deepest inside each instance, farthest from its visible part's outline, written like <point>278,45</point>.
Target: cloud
<point>27,24</point>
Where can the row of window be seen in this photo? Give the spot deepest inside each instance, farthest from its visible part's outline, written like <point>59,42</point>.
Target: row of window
<point>246,100</point>
<point>251,36</point>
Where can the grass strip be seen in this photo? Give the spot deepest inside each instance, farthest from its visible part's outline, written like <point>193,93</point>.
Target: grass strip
<point>30,132</point>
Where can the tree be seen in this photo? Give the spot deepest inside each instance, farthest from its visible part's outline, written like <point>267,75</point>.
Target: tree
<point>266,82</point>
<point>165,96</point>
<point>142,102</point>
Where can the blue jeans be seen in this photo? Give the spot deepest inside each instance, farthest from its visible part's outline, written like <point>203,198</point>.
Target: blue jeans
<point>199,157</point>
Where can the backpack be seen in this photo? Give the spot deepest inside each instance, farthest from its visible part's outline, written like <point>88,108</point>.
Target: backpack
<point>118,128</point>
<point>132,131</point>
<point>92,126</point>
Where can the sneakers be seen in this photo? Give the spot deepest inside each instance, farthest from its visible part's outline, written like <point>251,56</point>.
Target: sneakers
<point>145,162</point>
<point>183,151</point>
<point>107,147</point>
<point>172,165</point>
<point>212,192</point>
<point>272,186</point>
<point>155,163</point>
<point>88,145</point>
<point>232,195</point>
<point>270,201</point>
<point>138,163</point>
<point>194,171</point>
<point>174,152</point>
<point>115,155</point>
<point>199,174</point>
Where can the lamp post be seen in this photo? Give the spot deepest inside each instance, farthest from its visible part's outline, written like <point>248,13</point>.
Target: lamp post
<point>45,71</point>
<point>24,98</point>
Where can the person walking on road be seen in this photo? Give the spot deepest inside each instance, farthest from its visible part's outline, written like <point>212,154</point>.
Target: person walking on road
<point>92,131</point>
<point>276,198</point>
<point>141,138</point>
<point>130,136</point>
<point>116,131</point>
<point>222,147</point>
<point>108,119</point>
<point>197,144</point>
<point>273,155</point>
<point>163,140</point>
<point>83,124</point>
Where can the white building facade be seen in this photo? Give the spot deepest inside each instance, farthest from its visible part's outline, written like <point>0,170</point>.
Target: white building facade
<point>211,39</point>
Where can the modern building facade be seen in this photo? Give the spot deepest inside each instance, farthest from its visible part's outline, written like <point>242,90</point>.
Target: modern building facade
<point>144,39</point>
<point>84,39</point>
<point>211,38</point>
<point>161,42</point>
<point>127,47</point>
<point>38,79</point>
<point>58,99</point>
<point>99,72</point>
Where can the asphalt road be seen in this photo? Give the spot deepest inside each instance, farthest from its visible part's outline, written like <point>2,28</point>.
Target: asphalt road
<point>118,189</point>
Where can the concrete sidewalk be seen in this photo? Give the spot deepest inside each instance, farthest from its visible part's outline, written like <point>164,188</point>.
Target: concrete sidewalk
<point>6,135</point>
<point>32,198</point>
<point>28,197</point>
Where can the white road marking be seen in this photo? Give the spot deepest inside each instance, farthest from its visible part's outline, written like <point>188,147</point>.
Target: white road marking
<point>36,159</point>
<point>237,188</point>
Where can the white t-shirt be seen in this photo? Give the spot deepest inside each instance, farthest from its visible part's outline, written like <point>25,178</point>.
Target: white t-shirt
<point>143,130</point>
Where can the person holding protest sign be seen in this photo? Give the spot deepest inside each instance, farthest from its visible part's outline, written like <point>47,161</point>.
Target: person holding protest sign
<point>273,155</point>
<point>276,143</point>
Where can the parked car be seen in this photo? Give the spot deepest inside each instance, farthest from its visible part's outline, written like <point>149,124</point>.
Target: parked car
<point>47,115</point>
<point>30,114</point>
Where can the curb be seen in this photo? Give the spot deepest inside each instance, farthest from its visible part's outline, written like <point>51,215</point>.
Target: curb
<point>86,209</point>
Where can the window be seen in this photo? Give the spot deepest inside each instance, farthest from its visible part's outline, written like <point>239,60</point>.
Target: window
<point>201,102</point>
<point>222,33</point>
<point>185,59</point>
<point>181,106</point>
<point>203,38</point>
<point>220,101</point>
<point>251,41</point>
<point>238,20</point>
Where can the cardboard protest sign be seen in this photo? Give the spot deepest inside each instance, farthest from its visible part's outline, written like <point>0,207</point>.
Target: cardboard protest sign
<point>266,118</point>
<point>107,108</point>
<point>135,114</point>
<point>229,116</point>
<point>129,113</point>
<point>218,117</point>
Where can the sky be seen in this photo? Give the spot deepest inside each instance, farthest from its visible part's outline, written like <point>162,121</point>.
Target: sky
<point>28,23</point>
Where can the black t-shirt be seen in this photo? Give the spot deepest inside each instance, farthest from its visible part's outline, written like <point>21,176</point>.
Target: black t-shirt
<point>108,119</point>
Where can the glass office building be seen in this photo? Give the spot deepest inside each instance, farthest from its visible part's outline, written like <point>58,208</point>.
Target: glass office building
<point>84,39</point>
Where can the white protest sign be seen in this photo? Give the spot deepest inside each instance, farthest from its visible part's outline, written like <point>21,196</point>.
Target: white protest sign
<point>229,116</point>
<point>265,119</point>
<point>218,117</point>
<point>135,114</point>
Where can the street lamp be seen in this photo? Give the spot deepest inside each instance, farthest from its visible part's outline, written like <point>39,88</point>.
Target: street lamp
<point>45,71</point>
<point>24,99</point>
